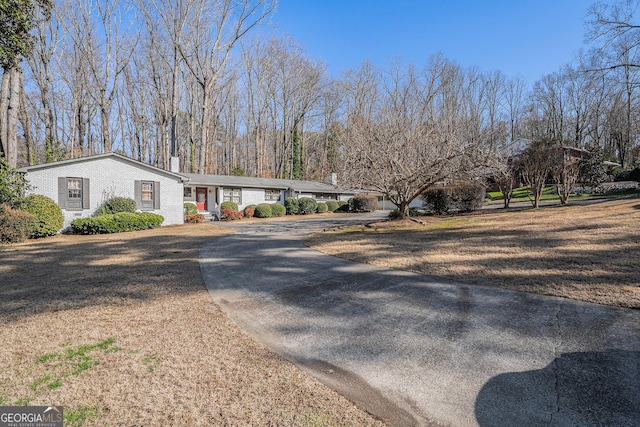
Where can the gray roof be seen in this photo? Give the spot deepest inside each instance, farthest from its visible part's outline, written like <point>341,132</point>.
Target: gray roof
<point>266,183</point>
<point>115,156</point>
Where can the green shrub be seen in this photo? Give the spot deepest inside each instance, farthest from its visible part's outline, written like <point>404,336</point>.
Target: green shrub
<point>116,223</point>
<point>229,205</point>
<point>249,211</point>
<point>292,206</point>
<point>322,207</point>
<point>307,205</point>
<point>47,212</point>
<point>263,210</point>
<point>343,206</point>
<point>190,209</point>
<point>117,204</point>
<point>364,203</point>
<point>332,205</point>
<point>278,210</point>
<point>15,225</point>
<point>455,198</point>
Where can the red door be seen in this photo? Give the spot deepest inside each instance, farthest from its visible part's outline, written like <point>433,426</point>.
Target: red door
<point>201,198</point>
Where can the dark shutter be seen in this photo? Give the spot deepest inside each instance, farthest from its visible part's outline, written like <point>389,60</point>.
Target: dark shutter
<point>137,194</point>
<point>156,195</point>
<point>62,192</point>
<point>86,194</point>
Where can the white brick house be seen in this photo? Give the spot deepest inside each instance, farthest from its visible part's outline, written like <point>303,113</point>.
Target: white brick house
<point>79,186</point>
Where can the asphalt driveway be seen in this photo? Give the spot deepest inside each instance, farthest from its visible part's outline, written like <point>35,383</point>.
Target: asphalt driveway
<point>416,350</point>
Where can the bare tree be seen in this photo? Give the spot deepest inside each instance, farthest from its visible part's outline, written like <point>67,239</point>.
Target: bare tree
<point>414,134</point>
<point>535,164</point>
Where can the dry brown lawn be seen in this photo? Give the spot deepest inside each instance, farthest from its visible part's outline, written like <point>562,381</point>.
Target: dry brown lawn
<point>584,252</point>
<point>120,330</point>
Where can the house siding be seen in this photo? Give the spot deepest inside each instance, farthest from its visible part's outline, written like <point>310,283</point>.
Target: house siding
<point>109,177</point>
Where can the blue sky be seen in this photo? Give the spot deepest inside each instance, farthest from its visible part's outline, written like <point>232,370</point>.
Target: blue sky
<point>527,38</point>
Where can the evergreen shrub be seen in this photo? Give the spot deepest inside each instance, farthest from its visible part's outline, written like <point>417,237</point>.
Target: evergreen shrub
<point>263,210</point>
<point>116,223</point>
<point>307,205</point>
<point>190,209</point>
<point>322,207</point>
<point>454,198</point>
<point>15,225</point>
<point>332,206</point>
<point>117,204</point>
<point>364,203</point>
<point>47,212</point>
<point>278,210</point>
<point>292,206</point>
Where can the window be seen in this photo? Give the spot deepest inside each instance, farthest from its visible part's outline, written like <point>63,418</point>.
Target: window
<point>147,195</point>
<point>324,196</point>
<point>272,195</point>
<point>74,188</point>
<point>187,193</point>
<point>73,193</point>
<point>232,195</point>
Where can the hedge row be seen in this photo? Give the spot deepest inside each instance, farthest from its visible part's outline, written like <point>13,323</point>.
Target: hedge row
<point>116,223</point>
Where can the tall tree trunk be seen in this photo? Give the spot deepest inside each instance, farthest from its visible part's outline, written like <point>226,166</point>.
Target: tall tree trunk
<point>12,118</point>
<point>26,123</point>
<point>4,104</point>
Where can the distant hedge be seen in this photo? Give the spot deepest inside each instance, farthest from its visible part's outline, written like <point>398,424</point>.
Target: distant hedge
<point>332,205</point>
<point>263,210</point>
<point>229,205</point>
<point>307,205</point>
<point>322,207</point>
<point>278,210</point>
<point>454,198</point>
<point>116,223</point>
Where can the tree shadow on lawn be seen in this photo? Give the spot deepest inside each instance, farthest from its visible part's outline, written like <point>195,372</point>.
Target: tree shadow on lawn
<point>71,272</point>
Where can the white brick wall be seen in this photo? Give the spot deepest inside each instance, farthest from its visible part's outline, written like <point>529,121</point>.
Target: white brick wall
<point>109,177</point>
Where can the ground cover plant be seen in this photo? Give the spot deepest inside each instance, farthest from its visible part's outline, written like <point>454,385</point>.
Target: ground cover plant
<point>584,252</point>
<point>120,330</point>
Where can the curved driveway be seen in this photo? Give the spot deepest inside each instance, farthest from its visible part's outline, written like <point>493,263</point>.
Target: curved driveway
<point>416,350</point>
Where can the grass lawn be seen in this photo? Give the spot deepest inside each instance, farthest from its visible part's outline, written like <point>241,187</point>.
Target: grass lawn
<point>120,330</point>
<point>584,252</point>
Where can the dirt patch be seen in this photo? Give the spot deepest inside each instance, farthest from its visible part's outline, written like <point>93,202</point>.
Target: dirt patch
<point>586,252</point>
<point>120,330</point>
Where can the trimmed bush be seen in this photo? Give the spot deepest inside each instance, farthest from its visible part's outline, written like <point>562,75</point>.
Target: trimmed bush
<point>292,206</point>
<point>230,215</point>
<point>332,205</point>
<point>15,225</point>
<point>322,207</point>
<point>455,198</point>
<point>117,204</point>
<point>249,211</point>
<point>194,219</point>
<point>364,203</point>
<point>263,210</point>
<point>278,210</point>
<point>229,205</point>
<point>47,212</point>
<point>116,223</point>
<point>307,205</point>
<point>190,209</point>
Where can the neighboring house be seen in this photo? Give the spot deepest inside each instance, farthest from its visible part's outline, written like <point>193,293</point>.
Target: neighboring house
<point>79,186</point>
<point>209,191</point>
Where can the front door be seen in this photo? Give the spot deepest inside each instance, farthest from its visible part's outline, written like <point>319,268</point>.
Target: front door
<point>201,198</point>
